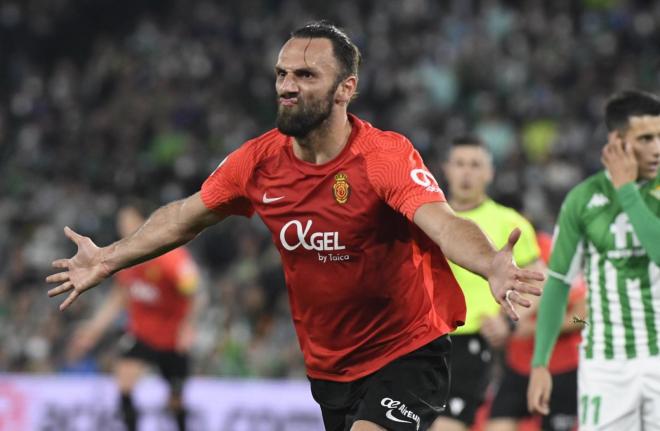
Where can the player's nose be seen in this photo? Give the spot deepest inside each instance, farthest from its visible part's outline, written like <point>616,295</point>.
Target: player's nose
<point>287,85</point>
<point>656,146</point>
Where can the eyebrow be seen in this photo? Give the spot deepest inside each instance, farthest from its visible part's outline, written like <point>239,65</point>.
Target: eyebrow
<point>311,70</point>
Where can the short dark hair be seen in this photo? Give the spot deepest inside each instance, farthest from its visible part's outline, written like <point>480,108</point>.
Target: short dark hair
<point>468,140</point>
<point>629,103</point>
<point>345,51</point>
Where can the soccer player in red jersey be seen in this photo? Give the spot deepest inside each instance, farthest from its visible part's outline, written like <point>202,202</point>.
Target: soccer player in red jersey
<point>363,230</point>
<point>159,296</point>
<point>510,402</point>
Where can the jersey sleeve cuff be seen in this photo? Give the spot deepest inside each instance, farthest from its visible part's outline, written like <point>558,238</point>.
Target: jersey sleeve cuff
<point>411,207</point>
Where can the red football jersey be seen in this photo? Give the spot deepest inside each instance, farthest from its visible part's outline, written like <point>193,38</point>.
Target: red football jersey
<point>160,292</point>
<point>565,355</point>
<point>366,286</point>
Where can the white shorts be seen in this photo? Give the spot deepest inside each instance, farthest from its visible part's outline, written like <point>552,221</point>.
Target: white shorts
<point>619,394</point>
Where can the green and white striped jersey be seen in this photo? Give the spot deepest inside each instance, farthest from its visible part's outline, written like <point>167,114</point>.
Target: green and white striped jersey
<point>593,234</point>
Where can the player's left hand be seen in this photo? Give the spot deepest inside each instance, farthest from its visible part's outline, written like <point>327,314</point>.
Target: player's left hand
<point>507,281</point>
<point>620,161</point>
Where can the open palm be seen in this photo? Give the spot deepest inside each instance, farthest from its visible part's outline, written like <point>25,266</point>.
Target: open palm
<point>81,272</point>
<point>507,281</point>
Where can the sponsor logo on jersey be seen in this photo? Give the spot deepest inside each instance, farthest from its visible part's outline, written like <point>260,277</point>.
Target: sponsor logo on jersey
<point>399,412</point>
<point>341,189</point>
<point>425,179</point>
<point>597,200</point>
<point>319,241</point>
<point>655,192</point>
<point>144,292</point>
<point>626,242</point>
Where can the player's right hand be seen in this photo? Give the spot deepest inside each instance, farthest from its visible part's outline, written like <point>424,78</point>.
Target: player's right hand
<point>539,390</point>
<point>619,159</point>
<point>82,272</point>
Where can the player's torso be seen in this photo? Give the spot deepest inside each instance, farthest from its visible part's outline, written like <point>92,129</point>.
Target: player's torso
<point>151,290</point>
<point>624,284</point>
<point>326,219</point>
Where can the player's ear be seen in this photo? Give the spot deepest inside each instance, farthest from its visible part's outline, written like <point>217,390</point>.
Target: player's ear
<point>346,89</point>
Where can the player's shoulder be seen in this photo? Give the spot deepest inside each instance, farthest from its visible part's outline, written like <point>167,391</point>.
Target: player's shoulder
<point>263,146</point>
<point>593,182</point>
<point>594,190</point>
<point>508,217</point>
<point>373,141</point>
<point>502,210</point>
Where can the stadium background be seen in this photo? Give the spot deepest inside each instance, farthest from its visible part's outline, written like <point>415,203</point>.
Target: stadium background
<point>103,100</point>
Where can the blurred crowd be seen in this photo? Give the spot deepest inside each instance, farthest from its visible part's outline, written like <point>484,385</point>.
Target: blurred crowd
<point>101,101</point>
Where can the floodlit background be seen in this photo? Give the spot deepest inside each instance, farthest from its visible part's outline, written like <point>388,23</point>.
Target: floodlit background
<point>102,100</point>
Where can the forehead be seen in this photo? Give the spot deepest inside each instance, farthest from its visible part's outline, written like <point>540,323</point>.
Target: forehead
<point>299,53</point>
<point>469,152</point>
<point>644,124</point>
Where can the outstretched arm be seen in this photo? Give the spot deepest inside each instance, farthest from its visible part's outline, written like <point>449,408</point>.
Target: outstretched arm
<point>463,242</point>
<point>167,228</point>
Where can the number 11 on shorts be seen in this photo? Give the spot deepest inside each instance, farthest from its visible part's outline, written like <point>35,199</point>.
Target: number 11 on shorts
<point>589,408</point>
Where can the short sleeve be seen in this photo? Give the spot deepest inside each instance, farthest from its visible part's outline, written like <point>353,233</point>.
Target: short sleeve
<point>224,190</point>
<point>399,176</point>
<point>567,247</point>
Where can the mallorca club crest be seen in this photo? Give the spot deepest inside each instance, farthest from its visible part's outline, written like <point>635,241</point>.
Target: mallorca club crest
<point>341,189</point>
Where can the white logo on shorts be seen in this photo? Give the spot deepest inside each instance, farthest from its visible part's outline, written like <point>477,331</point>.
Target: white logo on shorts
<point>393,405</point>
<point>391,417</point>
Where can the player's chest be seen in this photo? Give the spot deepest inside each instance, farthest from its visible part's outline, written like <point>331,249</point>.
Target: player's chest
<point>147,284</point>
<point>324,210</point>
<point>608,227</point>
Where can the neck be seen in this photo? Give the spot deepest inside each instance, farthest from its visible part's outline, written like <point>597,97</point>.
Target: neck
<point>325,142</point>
<point>467,204</point>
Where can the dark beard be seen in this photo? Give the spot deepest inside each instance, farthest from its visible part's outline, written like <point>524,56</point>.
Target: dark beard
<point>298,121</point>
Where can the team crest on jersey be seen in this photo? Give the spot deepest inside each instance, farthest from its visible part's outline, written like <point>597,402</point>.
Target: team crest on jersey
<point>656,192</point>
<point>341,189</point>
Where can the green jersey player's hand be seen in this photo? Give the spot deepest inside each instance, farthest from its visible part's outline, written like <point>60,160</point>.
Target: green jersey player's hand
<point>620,161</point>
